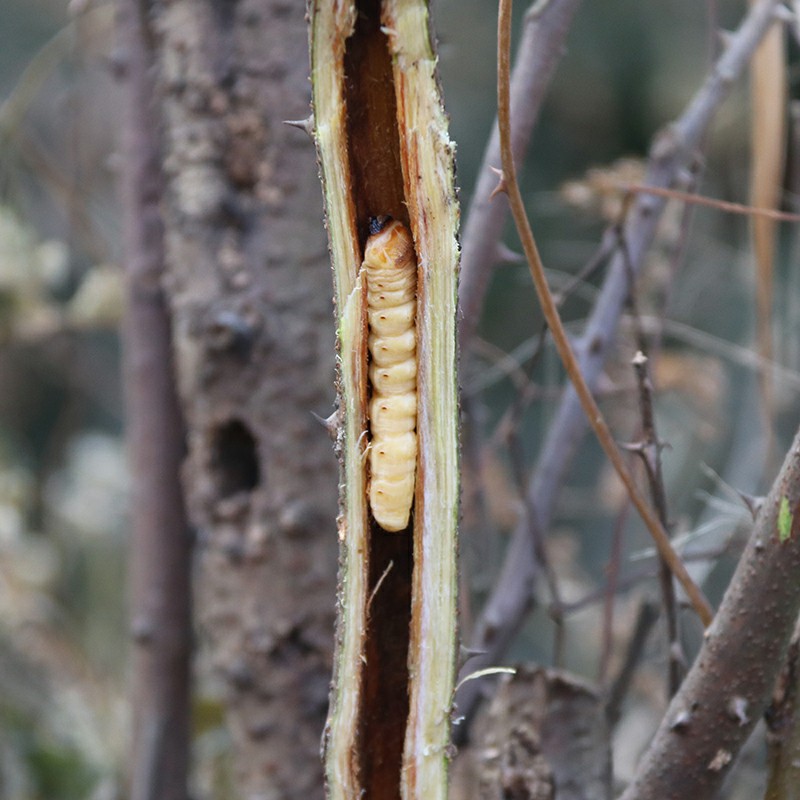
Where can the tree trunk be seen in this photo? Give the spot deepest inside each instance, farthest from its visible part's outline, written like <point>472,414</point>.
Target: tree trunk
<point>247,274</point>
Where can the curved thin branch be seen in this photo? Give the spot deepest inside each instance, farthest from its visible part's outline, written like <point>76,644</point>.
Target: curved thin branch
<point>672,151</point>
<point>563,346</point>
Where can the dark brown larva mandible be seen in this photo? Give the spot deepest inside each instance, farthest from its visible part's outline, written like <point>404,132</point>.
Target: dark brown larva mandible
<point>390,268</point>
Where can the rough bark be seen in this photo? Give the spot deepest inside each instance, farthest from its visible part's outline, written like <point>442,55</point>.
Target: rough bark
<point>543,736</point>
<point>730,682</point>
<point>160,551</point>
<point>249,285</point>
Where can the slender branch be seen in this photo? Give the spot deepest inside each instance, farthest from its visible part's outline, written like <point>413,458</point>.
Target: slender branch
<point>560,338</point>
<point>650,453</point>
<point>537,537</point>
<point>730,682</point>
<point>672,152</point>
<point>540,50</point>
<point>160,560</point>
<point>710,202</point>
<point>609,591</point>
<point>648,614</point>
<point>649,450</point>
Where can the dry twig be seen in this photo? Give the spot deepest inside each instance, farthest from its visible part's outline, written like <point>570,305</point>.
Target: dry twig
<point>671,153</point>
<point>560,338</point>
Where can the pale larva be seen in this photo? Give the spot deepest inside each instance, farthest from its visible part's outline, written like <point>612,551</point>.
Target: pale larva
<point>390,268</point>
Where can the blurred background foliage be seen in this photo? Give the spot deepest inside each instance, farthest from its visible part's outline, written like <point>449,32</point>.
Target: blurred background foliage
<point>629,69</point>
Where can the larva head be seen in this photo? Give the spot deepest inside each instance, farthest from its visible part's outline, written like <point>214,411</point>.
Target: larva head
<point>390,245</point>
<point>377,224</point>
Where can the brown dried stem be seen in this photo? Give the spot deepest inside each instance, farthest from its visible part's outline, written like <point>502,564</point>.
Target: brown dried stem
<point>768,96</point>
<point>711,202</point>
<point>564,348</point>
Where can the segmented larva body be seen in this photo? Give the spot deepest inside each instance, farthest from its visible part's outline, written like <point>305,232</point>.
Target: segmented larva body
<point>390,268</point>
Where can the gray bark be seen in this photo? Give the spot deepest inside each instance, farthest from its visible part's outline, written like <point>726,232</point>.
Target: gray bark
<point>250,291</point>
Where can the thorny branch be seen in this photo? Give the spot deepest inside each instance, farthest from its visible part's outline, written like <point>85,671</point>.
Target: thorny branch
<point>671,154</point>
<point>650,452</point>
<point>730,682</point>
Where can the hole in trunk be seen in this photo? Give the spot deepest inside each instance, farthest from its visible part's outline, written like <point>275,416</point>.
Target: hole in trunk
<point>234,459</point>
